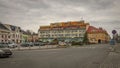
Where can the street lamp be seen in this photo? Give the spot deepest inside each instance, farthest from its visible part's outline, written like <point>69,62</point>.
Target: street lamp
<point>31,41</point>
<point>32,37</point>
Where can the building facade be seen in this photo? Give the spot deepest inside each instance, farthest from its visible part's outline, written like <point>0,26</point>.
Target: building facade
<point>10,34</point>
<point>4,34</point>
<point>15,33</point>
<point>25,36</point>
<point>29,36</point>
<point>33,38</point>
<point>63,31</point>
<point>97,35</point>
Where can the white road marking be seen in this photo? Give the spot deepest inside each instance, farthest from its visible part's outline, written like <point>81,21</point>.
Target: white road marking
<point>113,54</point>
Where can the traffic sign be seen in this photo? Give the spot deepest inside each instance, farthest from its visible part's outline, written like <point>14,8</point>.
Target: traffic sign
<point>114,31</point>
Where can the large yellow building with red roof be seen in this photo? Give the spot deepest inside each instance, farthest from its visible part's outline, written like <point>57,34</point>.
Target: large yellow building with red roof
<point>72,31</point>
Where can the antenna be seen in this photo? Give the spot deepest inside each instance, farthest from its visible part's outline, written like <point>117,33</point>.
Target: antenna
<point>81,19</point>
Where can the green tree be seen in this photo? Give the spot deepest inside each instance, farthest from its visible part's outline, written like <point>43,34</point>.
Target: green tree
<point>55,41</point>
<point>85,39</point>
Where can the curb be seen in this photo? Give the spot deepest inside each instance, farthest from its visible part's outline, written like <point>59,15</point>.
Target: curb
<point>33,49</point>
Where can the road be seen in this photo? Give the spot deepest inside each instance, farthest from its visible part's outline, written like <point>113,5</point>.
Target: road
<point>94,56</point>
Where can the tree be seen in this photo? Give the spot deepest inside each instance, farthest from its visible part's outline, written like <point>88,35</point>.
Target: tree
<point>55,41</point>
<point>85,39</point>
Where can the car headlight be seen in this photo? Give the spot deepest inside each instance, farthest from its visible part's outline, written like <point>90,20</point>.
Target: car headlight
<point>2,51</point>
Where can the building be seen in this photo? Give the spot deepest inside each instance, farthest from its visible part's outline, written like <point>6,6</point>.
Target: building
<point>97,35</point>
<point>63,31</point>
<point>33,38</point>
<point>25,36</point>
<point>10,34</point>
<point>118,39</point>
<point>4,34</point>
<point>15,33</point>
<point>29,36</point>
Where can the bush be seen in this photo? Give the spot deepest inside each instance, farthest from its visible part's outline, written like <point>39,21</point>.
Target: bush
<point>77,43</point>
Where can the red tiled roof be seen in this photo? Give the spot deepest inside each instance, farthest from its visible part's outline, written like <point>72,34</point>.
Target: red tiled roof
<point>92,29</point>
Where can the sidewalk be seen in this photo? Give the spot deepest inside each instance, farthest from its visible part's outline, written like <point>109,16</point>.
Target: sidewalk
<point>117,48</point>
<point>35,47</point>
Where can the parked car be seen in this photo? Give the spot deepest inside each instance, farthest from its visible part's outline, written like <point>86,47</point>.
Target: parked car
<point>27,44</point>
<point>36,43</point>
<point>24,44</point>
<point>12,45</point>
<point>39,44</point>
<point>4,51</point>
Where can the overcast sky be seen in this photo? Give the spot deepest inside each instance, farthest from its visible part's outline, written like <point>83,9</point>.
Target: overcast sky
<point>30,14</point>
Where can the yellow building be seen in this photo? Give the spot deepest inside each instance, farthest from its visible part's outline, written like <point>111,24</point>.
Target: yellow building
<point>81,24</point>
<point>68,31</point>
<point>97,35</point>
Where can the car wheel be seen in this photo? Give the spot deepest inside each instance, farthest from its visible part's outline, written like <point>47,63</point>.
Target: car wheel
<point>7,56</point>
<point>3,56</point>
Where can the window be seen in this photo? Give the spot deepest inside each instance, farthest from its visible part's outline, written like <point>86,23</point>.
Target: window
<point>13,35</point>
<point>8,36</point>
<point>2,36</point>
<point>5,36</point>
<point>16,36</point>
<point>79,34</point>
<point>13,40</point>
<point>2,40</point>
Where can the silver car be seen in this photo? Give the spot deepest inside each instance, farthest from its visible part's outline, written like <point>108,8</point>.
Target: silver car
<point>12,45</point>
<point>4,51</point>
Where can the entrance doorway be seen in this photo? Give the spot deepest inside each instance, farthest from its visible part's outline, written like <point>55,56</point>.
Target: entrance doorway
<point>99,41</point>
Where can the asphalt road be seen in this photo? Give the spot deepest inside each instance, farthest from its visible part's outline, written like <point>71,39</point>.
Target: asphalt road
<point>95,56</point>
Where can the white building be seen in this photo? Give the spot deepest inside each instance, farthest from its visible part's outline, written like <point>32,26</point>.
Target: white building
<point>10,33</point>
<point>4,34</point>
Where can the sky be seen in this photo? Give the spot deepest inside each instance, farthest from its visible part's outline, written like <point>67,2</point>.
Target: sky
<point>31,14</point>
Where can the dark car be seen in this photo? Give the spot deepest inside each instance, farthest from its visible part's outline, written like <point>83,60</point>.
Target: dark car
<point>36,44</point>
<point>4,51</point>
<point>39,44</point>
<point>27,44</point>
<point>24,44</point>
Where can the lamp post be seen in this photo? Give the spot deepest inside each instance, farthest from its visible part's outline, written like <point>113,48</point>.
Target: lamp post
<point>32,38</point>
<point>31,41</point>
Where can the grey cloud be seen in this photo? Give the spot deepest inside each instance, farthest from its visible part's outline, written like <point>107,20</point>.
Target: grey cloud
<point>92,4</point>
<point>43,12</point>
<point>107,25</point>
<point>36,4</point>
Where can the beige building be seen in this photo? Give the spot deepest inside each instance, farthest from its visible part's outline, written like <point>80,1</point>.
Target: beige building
<point>33,38</point>
<point>97,35</point>
<point>4,34</point>
<point>10,33</point>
